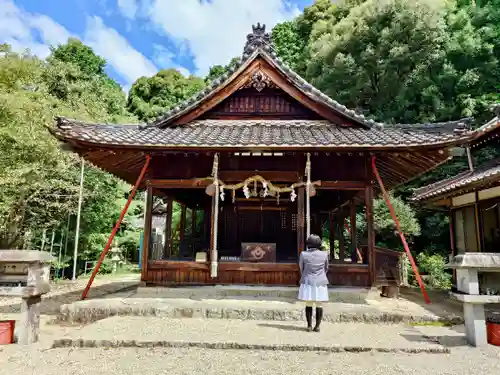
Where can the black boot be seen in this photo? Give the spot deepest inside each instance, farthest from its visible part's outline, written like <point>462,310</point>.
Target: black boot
<point>309,317</point>
<point>319,317</point>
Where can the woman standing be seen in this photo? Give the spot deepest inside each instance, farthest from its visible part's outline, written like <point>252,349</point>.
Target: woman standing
<point>313,290</point>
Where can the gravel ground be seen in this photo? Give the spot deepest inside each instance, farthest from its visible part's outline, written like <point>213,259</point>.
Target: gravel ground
<point>254,332</point>
<point>221,362</point>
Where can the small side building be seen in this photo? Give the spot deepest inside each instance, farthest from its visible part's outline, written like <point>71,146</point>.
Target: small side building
<point>472,198</point>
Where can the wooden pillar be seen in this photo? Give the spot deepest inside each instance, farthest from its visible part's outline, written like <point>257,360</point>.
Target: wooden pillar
<point>370,231</point>
<point>354,243</point>
<point>146,242</point>
<point>341,231</point>
<point>207,222</point>
<point>331,231</point>
<point>167,251</point>
<point>452,246</point>
<point>300,220</point>
<point>194,233</point>
<point>479,226</point>
<point>182,230</point>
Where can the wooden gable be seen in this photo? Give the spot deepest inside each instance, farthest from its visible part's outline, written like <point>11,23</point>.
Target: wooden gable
<point>260,90</point>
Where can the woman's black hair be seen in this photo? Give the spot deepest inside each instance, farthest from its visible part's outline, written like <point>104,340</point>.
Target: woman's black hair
<point>314,242</point>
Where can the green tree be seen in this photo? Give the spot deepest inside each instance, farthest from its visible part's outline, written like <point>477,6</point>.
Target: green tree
<point>153,96</point>
<point>75,52</point>
<point>289,44</point>
<point>218,70</point>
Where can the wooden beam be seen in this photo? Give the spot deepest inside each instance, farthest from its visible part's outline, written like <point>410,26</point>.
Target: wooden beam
<point>331,231</point>
<point>300,220</point>
<point>341,185</point>
<point>354,243</point>
<point>147,231</point>
<point>168,228</point>
<point>341,226</point>
<point>273,176</point>
<point>182,230</point>
<point>179,184</point>
<point>370,231</point>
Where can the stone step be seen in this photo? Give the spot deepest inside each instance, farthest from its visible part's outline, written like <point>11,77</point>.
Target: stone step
<point>244,308</point>
<point>336,294</point>
<point>256,335</point>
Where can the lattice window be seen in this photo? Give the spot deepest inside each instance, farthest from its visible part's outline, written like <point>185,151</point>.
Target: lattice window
<point>283,219</point>
<point>294,222</point>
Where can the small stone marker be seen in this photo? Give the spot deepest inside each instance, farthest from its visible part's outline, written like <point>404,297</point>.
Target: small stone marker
<point>25,274</point>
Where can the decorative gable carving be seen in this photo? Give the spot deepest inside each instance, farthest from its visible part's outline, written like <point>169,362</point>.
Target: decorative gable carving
<point>259,81</point>
<point>260,98</point>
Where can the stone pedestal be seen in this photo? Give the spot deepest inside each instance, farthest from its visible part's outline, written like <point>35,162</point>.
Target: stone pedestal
<point>475,324</point>
<point>467,267</point>
<point>29,327</point>
<point>25,274</point>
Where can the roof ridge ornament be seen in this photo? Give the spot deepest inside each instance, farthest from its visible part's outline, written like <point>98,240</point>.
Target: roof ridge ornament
<point>258,38</point>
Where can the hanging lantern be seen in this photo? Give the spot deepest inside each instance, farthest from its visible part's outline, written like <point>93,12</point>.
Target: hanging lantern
<point>222,195</point>
<point>234,195</point>
<point>210,190</point>
<point>293,195</point>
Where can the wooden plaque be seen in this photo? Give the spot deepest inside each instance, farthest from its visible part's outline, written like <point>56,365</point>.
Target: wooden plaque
<point>258,252</point>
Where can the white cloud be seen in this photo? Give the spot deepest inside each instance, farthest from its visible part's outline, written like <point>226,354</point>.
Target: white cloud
<point>23,30</point>
<point>128,8</point>
<point>108,43</point>
<point>164,58</point>
<point>215,31</point>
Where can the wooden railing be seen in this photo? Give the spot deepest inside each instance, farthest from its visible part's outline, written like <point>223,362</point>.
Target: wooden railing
<point>387,267</point>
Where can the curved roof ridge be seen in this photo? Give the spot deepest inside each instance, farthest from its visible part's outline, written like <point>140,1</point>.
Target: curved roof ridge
<point>259,43</point>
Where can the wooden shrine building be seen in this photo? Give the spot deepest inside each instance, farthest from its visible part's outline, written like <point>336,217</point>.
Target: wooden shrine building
<point>471,197</point>
<point>256,161</point>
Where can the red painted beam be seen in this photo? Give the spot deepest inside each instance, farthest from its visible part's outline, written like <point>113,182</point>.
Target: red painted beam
<point>117,225</point>
<point>401,234</point>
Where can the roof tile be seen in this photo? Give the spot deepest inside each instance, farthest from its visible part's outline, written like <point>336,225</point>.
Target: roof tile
<point>249,133</point>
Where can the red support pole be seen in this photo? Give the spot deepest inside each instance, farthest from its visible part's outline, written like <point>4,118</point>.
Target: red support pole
<point>401,234</point>
<point>117,225</point>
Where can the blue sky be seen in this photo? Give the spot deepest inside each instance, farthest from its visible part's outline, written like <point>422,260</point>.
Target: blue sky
<point>140,37</point>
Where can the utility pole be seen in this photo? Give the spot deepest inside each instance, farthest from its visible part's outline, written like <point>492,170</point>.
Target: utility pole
<point>77,233</point>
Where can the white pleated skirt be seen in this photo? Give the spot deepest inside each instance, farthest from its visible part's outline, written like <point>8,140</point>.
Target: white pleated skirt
<point>318,293</point>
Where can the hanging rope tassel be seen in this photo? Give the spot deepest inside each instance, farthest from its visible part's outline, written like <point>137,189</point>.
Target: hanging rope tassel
<point>308,195</point>
<point>214,254</point>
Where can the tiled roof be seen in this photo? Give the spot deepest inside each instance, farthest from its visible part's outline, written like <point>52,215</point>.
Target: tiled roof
<point>489,130</point>
<point>463,181</point>
<point>252,133</point>
<point>259,44</point>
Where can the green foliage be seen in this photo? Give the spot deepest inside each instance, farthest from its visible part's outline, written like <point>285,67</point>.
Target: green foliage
<point>218,70</point>
<point>434,273</point>
<point>153,96</point>
<point>385,228</point>
<point>40,183</point>
<point>289,44</point>
<point>77,53</point>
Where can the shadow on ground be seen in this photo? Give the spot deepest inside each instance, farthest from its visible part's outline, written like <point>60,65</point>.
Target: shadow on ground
<point>282,327</point>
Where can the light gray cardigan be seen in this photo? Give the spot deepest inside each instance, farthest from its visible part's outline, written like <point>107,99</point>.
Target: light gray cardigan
<point>313,265</point>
